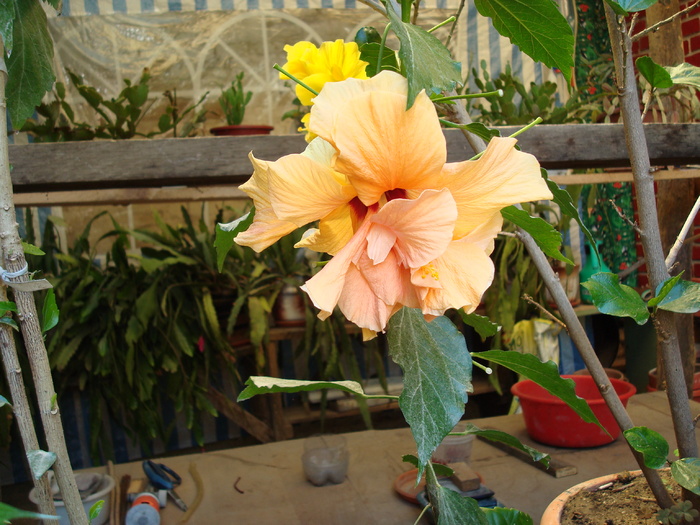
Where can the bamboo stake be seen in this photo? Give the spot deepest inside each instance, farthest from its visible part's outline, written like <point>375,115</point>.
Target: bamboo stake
<point>14,261</point>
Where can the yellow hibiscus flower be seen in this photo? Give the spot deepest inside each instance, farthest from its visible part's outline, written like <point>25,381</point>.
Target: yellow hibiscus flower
<point>405,227</point>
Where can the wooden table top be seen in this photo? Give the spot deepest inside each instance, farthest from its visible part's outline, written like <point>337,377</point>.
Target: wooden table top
<point>272,488</point>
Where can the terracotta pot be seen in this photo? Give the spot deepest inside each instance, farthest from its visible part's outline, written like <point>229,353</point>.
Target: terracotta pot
<point>612,373</point>
<point>289,308</point>
<point>241,130</point>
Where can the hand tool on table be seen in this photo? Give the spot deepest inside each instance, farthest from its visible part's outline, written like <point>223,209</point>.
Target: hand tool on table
<point>164,478</point>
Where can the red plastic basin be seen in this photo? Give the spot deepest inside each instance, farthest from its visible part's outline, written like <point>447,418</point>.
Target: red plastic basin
<point>550,421</point>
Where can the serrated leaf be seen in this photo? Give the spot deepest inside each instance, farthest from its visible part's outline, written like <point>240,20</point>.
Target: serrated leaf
<point>6,306</point>
<point>269,385</point>
<point>512,441</point>
<point>546,375</point>
<point>7,18</point>
<point>30,66</point>
<point>613,298</point>
<point>440,469</point>
<point>652,445</point>
<point>685,73</point>
<point>49,312</point>
<point>450,507</point>
<point>226,233</point>
<point>40,461</point>
<point>682,298</point>
<point>96,509</point>
<point>544,234</point>
<point>566,205</point>
<point>483,325</point>
<point>437,372</point>
<point>655,74</point>
<point>536,27</point>
<point>505,516</point>
<point>624,7</point>
<point>663,289</point>
<point>424,59</point>
<point>4,401</point>
<point>370,53</point>
<point>31,249</point>
<point>9,513</point>
<point>686,472</point>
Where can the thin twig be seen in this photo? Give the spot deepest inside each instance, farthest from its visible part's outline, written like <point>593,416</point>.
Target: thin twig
<point>673,253</point>
<point>638,264</point>
<point>670,19</point>
<point>454,25</point>
<point>635,17</point>
<point>374,5</point>
<point>549,314</point>
<point>624,217</point>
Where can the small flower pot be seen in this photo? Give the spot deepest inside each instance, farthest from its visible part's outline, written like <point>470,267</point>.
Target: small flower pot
<point>240,130</point>
<point>550,421</point>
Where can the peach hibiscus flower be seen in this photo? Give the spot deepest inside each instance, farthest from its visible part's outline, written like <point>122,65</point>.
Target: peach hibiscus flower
<point>404,227</point>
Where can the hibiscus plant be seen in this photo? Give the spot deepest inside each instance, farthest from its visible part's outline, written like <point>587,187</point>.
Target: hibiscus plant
<point>410,234</point>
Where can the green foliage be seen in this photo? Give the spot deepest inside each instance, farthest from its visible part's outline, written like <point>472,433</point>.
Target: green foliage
<point>5,316</point>
<point>685,73</point>
<point>40,462</point>
<point>546,237</point>
<point>430,353</point>
<point>613,298</point>
<point>233,101</point>
<point>547,376</point>
<point>439,468</point>
<point>7,18</point>
<point>678,513</point>
<point>49,312</point>
<point>676,295</point>
<point>4,402</point>
<point>95,510</point>
<point>426,63</point>
<point>29,68</point>
<point>483,325</point>
<point>226,233</point>
<point>656,75</point>
<point>370,53</point>
<point>686,472</point>
<point>650,444</point>
<point>268,385</point>
<point>504,516</point>
<point>8,513</point>
<point>449,506</point>
<point>625,7</point>
<point>536,27</point>
<point>512,441</point>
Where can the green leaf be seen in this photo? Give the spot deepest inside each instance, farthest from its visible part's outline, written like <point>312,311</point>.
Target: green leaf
<point>226,233</point>
<point>269,385</point>
<point>566,205</point>
<point>29,67</point>
<point>49,312</point>
<point>40,461</point>
<point>9,322</point>
<point>7,18</point>
<point>437,375</point>
<point>655,74</point>
<point>7,306</point>
<point>96,509</point>
<point>682,298</point>
<point>4,401</point>
<point>686,472</point>
<point>624,7</point>
<point>536,27</point>
<point>663,290</point>
<point>425,60</point>
<point>450,507</point>
<point>31,249</point>
<point>370,54</point>
<point>440,469</point>
<point>512,441</point>
<point>546,375</point>
<point>483,325</point>
<point>9,513</point>
<point>650,444</point>
<point>544,234</point>
<point>613,298</point>
<point>478,129</point>
<point>685,73</point>
<point>504,516</point>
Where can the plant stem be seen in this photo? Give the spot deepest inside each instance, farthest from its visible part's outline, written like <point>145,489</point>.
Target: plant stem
<point>295,79</point>
<point>497,93</point>
<point>13,260</point>
<point>382,45</point>
<point>673,253</point>
<point>578,335</point>
<point>650,237</point>
<point>443,23</point>
<point>22,411</point>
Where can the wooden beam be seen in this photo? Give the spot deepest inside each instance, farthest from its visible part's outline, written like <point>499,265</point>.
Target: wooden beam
<point>223,160</point>
<point>621,176</point>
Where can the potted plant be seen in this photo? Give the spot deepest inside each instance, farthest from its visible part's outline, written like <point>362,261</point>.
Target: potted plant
<point>233,102</point>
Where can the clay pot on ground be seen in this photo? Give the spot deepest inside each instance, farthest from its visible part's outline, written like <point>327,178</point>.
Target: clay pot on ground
<point>241,130</point>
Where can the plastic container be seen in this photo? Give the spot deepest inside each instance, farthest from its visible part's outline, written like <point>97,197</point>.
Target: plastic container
<point>550,421</point>
<point>325,459</point>
<point>454,449</point>
<point>102,493</point>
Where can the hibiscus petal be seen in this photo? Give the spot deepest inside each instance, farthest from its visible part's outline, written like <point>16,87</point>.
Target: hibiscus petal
<point>389,281</point>
<point>501,177</point>
<point>267,228</point>
<point>360,305</point>
<point>303,189</point>
<point>423,227</point>
<point>334,231</point>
